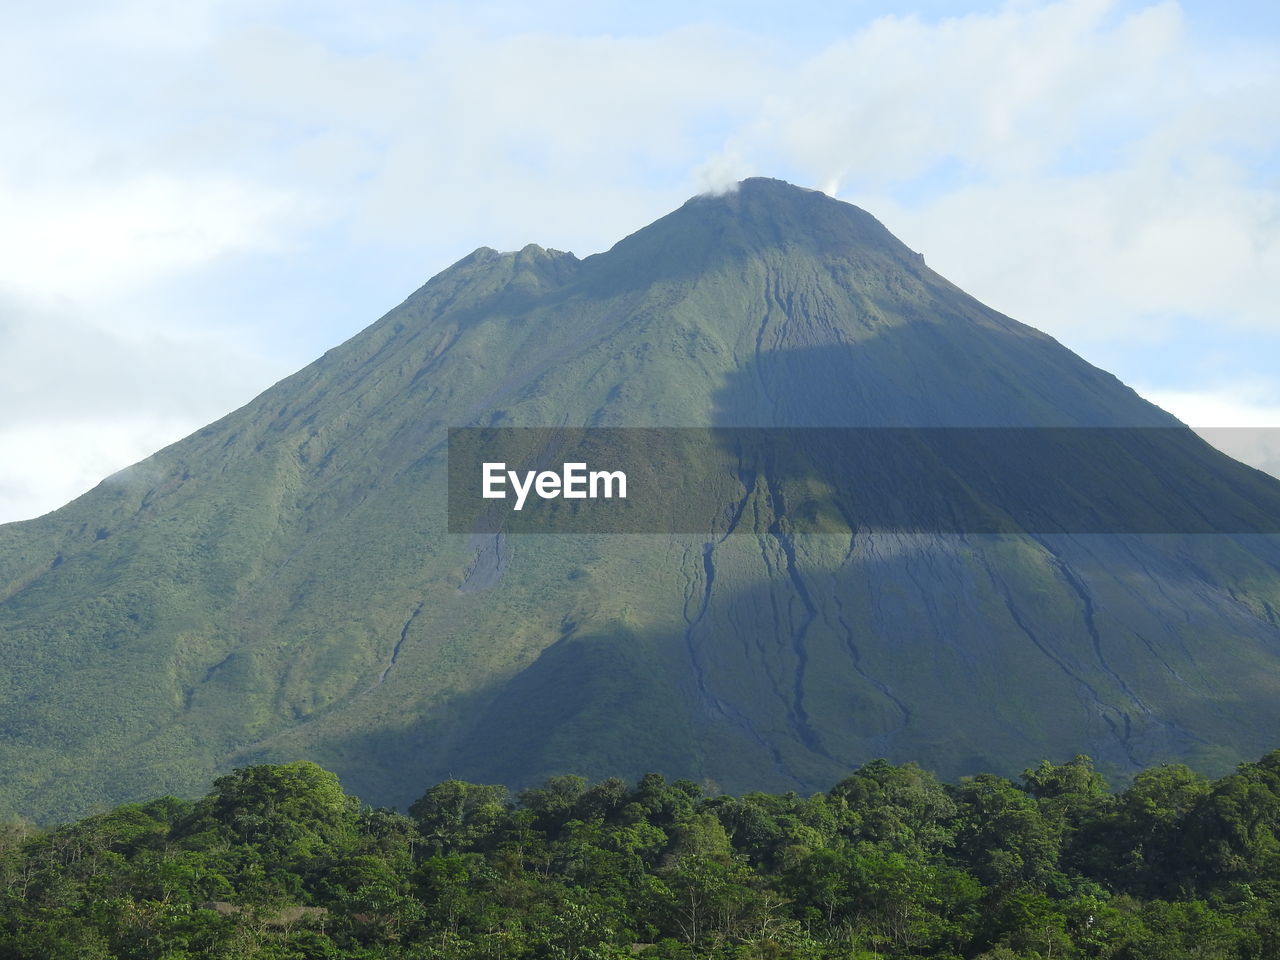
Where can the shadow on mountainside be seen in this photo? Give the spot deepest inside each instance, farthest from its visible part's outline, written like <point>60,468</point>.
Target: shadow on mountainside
<point>802,656</point>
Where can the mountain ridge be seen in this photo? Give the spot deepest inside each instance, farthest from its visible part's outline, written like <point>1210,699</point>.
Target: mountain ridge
<point>278,584</point>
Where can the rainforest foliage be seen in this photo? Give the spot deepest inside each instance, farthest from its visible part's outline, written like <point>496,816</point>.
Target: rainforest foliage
<point>278,862</point>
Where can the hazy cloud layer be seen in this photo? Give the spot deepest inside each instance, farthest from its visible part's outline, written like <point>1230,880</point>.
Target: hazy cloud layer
<point>196,198</point>
<point>82,400</point>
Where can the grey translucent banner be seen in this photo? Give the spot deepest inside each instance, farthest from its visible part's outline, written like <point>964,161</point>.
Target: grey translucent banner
<point>720,481</point>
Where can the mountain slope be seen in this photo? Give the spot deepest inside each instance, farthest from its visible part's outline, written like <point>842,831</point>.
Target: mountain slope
<point>280,585</point>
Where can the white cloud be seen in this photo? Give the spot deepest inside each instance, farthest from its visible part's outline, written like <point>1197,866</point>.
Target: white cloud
<point>505,139</point>
<point>1002,93</point>
<point>48,464</point>
<point>82,400</point>
<point>110,189</point>
<point>1113,253</point>
<point>84,240</point>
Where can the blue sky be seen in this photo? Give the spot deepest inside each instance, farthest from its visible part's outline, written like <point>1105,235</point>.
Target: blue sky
<point>196,199</point>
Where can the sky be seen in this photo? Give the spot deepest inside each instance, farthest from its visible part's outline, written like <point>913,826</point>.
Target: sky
<point>197,199</point>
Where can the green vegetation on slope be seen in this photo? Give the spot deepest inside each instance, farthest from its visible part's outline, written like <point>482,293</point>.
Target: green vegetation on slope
<point>280,584</point>
<point>279,863</point>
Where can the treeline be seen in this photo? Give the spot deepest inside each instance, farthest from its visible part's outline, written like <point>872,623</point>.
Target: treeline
<point>278,862</point>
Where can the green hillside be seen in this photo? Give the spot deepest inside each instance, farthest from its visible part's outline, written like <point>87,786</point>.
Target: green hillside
<point>280,584</point>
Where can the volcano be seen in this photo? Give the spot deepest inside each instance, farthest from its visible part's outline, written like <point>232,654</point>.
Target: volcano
<point>282,583</point>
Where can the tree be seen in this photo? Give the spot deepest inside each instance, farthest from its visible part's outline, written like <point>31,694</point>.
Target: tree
<point>455,815</point>
<point>902,807</point>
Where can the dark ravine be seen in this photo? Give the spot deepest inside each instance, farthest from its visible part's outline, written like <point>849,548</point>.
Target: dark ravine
<point>395,651</point>
<point>263,583</point>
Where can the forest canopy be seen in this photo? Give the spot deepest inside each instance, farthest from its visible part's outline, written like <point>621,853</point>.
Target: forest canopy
<point>278,862</point>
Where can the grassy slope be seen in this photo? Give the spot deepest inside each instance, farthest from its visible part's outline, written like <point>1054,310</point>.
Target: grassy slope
<point>280,585</point>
